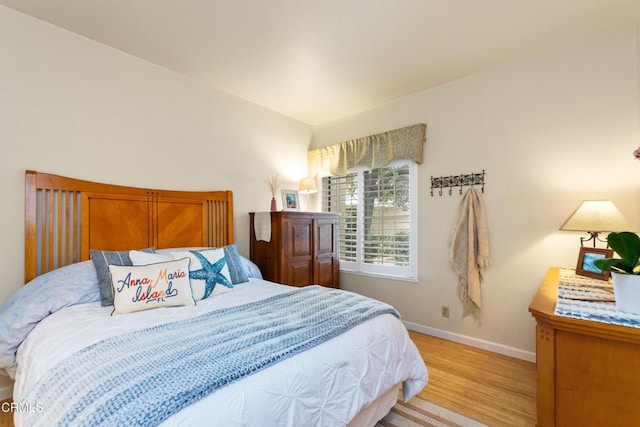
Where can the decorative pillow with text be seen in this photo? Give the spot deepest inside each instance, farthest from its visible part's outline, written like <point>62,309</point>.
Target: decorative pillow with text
<point>144,287</point>
<point>208,272</point>
<point>101,261</point>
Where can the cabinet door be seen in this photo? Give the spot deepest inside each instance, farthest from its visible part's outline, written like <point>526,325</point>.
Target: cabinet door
<point>326,268</point>
<point>298,247</point>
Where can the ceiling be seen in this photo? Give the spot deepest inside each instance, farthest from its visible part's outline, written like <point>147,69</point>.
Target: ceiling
<point>321,60</point>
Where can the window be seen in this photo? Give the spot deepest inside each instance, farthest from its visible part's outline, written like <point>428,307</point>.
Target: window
<point>377,221</point>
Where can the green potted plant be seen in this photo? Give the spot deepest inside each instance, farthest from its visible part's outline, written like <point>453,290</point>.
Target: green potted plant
<point>627,246</point>
<point>625,270</point>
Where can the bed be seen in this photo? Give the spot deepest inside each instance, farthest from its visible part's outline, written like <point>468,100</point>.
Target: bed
<point>244,351</point>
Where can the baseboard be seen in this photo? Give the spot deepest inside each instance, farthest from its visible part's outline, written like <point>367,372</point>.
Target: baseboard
<point>473,342</point>
<point>6,392</point>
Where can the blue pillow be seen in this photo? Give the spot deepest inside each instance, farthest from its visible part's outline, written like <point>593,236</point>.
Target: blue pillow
<point>252,269</point>
<point>101,261</point>
<point>235,265</point>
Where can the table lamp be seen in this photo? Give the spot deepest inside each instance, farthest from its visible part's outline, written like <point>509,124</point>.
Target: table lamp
<point>307,186</point>
<point>594,217</point>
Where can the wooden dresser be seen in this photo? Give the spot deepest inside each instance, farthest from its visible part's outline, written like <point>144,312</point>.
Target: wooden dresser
<point>303,249</point>
<point>588,373</point>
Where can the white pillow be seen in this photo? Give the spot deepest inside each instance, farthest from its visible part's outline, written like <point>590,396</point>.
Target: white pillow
<point>208,272</point>
<point>144,287</point>
<point>144,258</point>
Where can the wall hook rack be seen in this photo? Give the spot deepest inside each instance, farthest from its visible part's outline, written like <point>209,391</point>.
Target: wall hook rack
<point>461,180</point>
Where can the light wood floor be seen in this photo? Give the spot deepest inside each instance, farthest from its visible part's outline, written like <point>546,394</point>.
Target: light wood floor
<point>6,418</point>
<point>495,389</point>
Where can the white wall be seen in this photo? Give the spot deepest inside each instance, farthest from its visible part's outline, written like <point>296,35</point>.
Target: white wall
<point>550,132</point>
<point>77,108</point>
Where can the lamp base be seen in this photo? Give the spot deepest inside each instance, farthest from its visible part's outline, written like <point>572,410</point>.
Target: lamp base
<point>594,237</point>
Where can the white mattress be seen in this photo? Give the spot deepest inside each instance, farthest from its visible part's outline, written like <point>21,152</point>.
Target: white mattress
<point>324,386</point>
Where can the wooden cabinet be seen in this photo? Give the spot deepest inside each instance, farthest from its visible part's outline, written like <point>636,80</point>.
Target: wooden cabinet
<point>303,249</point>
<point>588,373</point>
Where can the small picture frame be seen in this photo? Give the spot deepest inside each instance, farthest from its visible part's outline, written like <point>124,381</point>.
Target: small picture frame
<point>585,266</point>
<point>290,200</point>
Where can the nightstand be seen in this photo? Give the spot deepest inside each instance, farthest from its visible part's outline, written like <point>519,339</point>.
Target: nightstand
<point>588,372</point>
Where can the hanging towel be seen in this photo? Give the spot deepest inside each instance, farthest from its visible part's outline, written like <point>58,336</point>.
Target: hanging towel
<point>262,226</point>
<point>469,253</point>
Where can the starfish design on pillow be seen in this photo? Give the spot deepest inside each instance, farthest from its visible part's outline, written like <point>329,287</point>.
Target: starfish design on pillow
<point>210,273</point>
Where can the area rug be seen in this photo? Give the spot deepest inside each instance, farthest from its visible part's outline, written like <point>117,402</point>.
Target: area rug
<point>420,412</point>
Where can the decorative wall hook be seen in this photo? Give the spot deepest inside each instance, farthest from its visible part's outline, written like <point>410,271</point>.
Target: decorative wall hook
<point>457,181</point>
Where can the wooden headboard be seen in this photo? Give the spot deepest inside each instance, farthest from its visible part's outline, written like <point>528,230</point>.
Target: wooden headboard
<point>65,217</point>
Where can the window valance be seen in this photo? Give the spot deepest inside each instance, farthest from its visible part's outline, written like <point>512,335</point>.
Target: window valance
<point>374,151</point>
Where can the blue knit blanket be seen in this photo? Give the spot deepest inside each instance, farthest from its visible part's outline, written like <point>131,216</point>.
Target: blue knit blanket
<point>141,378</point>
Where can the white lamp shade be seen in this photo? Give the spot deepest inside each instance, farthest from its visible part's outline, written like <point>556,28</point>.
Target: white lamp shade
<point>596,216</point>
<point>307,185</point>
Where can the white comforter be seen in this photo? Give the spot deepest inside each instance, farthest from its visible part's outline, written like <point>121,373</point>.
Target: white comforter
<point>325,386</point>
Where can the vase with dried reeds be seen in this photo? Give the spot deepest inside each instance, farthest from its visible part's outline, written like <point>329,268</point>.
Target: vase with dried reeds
<point>273,184</point>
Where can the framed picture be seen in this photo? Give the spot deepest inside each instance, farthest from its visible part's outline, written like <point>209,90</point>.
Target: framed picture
<point>585,266</point>
<point>290,200</point>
